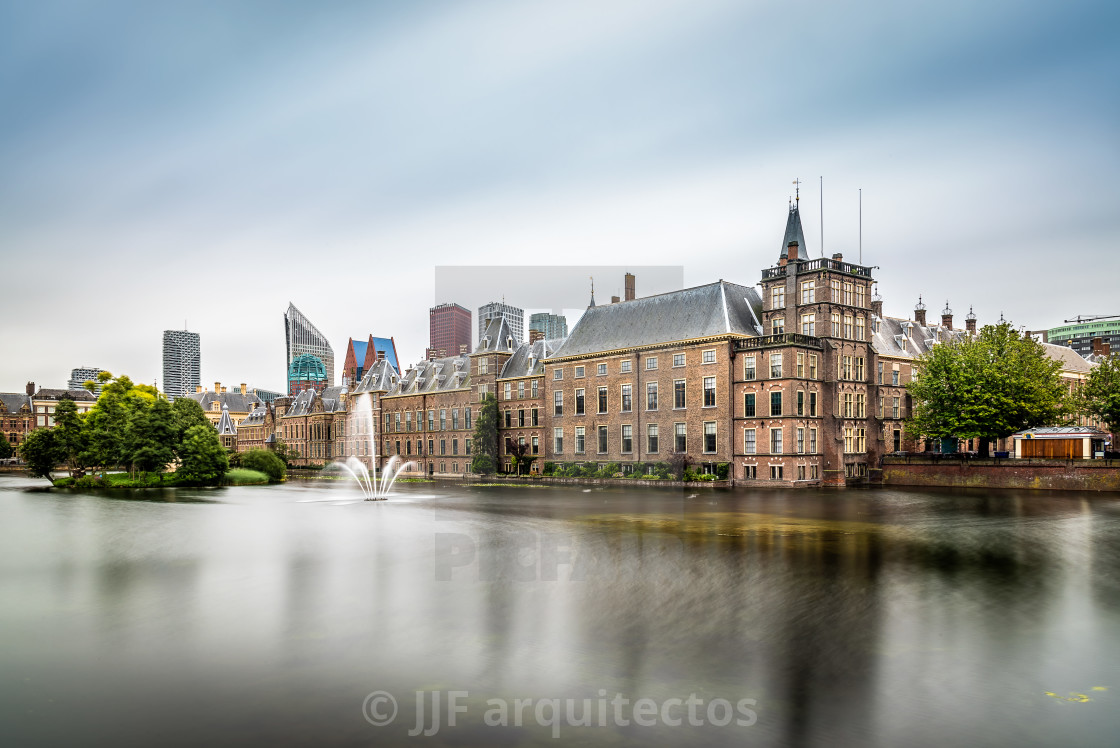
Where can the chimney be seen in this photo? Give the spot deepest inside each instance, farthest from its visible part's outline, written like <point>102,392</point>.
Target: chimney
<point>244,389</point>
<point>535,335</point>
<point>629,293</point>
<point>217,387</point>
<point>462,349</point>
<point>197,388</point>
<point>920,312</point>
<point>615,299</point>
<point>970,323</point>
<point>223,390</point>
<point>30,389</point>
<point>1100,347</point>
<point>877,304</point>
<point>791,252</point>
<point>838,256</point>
<point>947,316</point>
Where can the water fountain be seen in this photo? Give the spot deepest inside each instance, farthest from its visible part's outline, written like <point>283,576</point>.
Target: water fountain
<point>373,489</point>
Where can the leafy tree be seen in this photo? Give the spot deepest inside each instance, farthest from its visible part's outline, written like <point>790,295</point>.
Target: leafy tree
<point>266,462</point>
<point>1100,396</point>
<point>70,436</point>
<point>521,456</point>
<point>41,452</point>
<point>485,439</point>
<point>678,464</point>
<point>186,412</point>
<point>5,447</point>
<point>203,459</point>
<point>284,452</point>
<point>107,423</point>
<point>986,387</point>
<point>151,437</point>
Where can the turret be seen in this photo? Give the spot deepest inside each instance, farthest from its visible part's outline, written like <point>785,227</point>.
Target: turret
<point>920,312</point>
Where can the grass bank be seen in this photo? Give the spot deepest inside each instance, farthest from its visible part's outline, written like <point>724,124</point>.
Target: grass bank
<point>234,477</point>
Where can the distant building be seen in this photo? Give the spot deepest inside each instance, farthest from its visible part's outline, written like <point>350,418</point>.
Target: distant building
<point>513,316</point>
<point>16,419</point>
<point>265,396</point>
<point>45,400</point>
<point>361,356</point>
<point>236,404</point>
<point>81,375</point>
<point>301,337</point>
<point>182,363</point>
<point>1080,337</point>
<point>306,372</point>
<point>551,326</point>
<point>449,330</point>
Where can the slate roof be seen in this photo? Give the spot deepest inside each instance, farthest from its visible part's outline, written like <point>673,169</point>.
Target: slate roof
<point>13,401</point>
<point>257,416</point>
<point>904,338</point>
<point>381,377</point>
<point>76,395</point>
<point>1071,360</point>
<point>1056,432</point>
<point>498,337</point>
<point>235,401</point>
<point>526,360</point>
<point>225,424</point>
<point>718,308</point>
<point>438,375</point>
<point>794,233</point>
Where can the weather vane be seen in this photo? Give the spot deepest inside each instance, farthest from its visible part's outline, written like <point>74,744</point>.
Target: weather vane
<point>797,190</point>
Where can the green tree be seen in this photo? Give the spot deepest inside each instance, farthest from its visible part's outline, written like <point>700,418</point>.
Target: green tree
<point>1100,396</point>
<point>41,453</point>
<point>70,435</point>
<point>986,387</point>
<point>203,459</point>
<point>5,447</point>
<point>266,462</point>
<point>151,438</point>
<point>522,459</point>
<point>485,439</point>
<point>186,412</point>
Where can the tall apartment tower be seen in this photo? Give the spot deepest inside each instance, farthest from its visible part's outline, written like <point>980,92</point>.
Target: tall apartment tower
<point>449,330</point>
<point>513,316</point>
<point>551,326</point>
<point>81,375</point>
<point>301,337</point>
<point>182,367</point>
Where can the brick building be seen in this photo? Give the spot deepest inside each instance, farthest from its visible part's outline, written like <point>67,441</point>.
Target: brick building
<point>15,416</point>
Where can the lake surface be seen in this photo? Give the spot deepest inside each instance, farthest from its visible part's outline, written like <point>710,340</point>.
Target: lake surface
<point>259,615</point>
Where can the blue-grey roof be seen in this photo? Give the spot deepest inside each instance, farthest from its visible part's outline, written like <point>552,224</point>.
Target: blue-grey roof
<point>225,424</point>
<point>437,375</point>
<point>526,360</point>
<point>498,337</point>
<point>794,233</point>
<point>381,377</point>
<point>13,401</point>
<point>720,308</point>
<point>386,345</point>
<point>235,401</point>
<point>305,402</point>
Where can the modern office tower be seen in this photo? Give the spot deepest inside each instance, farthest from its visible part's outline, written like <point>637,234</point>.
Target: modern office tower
<point>552,326</point>
<point>302,337</point>
<point>449,330</point>
<point>182,371</point>
<point>1100,335</point>
<point>81,375</point>
<point>514,317</point>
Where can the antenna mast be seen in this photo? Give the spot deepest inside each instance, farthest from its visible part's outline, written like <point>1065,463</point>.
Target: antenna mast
<point>861,226</point>
<point>822,216</point>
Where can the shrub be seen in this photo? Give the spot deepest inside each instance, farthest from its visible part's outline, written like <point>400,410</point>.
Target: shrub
<point>689,475</point>
<point>548,468</point>
<point>264,461</point>
<point>483,464</point>
<point>722,469</point>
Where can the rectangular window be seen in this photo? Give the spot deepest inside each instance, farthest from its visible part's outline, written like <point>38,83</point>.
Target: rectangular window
<point>848,326</point>
<point>808,292</point>
<point>777,297</point>
<point>861,406</point>
<point>861,328</point>
<point>846,368</point>
<point>849,440</point>
<point>627,400</point>
<point>678,393</point>
<point>534,414</point>
<point>443,446</point>
<point>861,295</point>
<point>813,404</point>
<point>431,446</point>
<point>627,439</point>
<point>812,441</point>
<point>775,441</point>
<point>800,472</point>
<point>880,380</point>
<point>536,445</point>
<point>396,422</point>
<point>775,365</point>
<point>506,389</point>
<point>748,405</point>
<point>483,366</point>
<point>678,360</point>
<point>408,421</point>
<point>808,324</point>
<point>467,418</point>
<point>800,365</point>
<point>454,446</point>
<point>709,392</point>
<point>801,441</point>
<point>431,420</point>
<point>579,372</point>
<point>834,289</point>
<point>748,441</point>
<point>558,374</point>
<point>624,367</point>
<point>651,438</point>
<point>651,363</point>
<point>533,388</point>
<point>709,436</point>
<point>859,368</point>
<point>521,390</point>
<point>849,405</point>
<point>651,395</point>
<point>581,439</point>
<point>748,367</point>
<point>443,419</point>
<point>813,472</point>
<point>579,402</point>
<point>521,418</point>
<point>777,326</point>
<point>709,357</point>
<point>801,402</point>
<point>775,472</point>
<point>835,330</point>
<point>812,366</point>
<point>557,403</point>
<point>894,377</point>
<point>509,419</point>
<point>602,440</point>
<point>848,294</point>
<point>680,443</point>
<point>750,471</point>
<point>602,400</point>
<point>896,408</point>
<point>776,403</point>
<point>558,441</point>
<point>602,370</point>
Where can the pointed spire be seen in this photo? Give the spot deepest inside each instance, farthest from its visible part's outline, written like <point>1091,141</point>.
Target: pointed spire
<point>794,233</point>
<point>592,304</point>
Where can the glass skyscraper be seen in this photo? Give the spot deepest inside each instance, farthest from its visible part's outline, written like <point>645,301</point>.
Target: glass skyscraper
<point>182,363</point>
<point>302,337</point>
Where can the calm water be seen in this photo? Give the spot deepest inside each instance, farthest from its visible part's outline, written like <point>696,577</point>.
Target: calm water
<point>268,614</point>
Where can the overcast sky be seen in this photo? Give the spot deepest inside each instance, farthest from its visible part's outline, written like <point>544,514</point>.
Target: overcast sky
<point>212,161</point>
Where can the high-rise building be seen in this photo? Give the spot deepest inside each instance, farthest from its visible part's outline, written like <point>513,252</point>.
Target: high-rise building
<point>552,326</point>
<point>302,337</point>
<point>513,316</point>
<point>449,330</point>
<point>182,368</point>
<point>81,375</point>
<point>1099,335</point>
